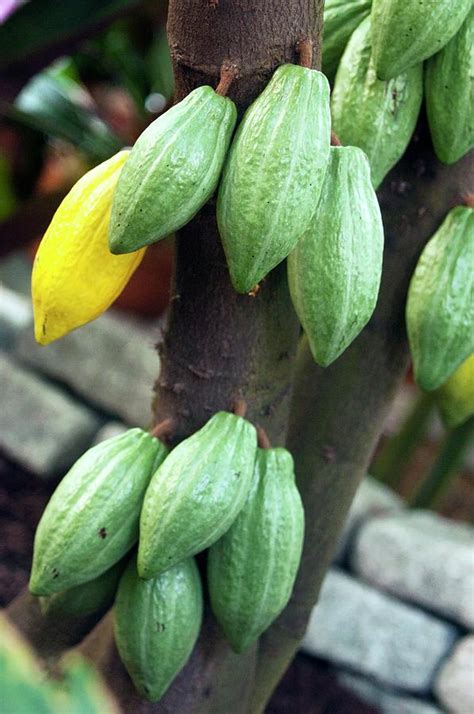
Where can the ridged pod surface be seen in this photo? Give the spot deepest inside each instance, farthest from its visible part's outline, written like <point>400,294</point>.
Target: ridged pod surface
<point>173,169</point>
<point>157,623</point>
<point>82,600</point>
<point>406,32</point>
<point>450,95</point>
<point>274,173</point>
<point>341,18</point>
<point>91,520</point>
<point>75,276</point>
<point>378,117</point>
<point>252,568</point>
<point>440,305</point>
<point>197,492</point>
<point>455,398</point>
<point>335,270</point>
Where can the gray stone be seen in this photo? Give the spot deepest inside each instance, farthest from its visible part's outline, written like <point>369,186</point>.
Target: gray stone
<point>365,630</point>
<point>40,427</point>
<point>111,362</point>
<point>15,272</point>
<point>109,430</point>
<point>387,701</point>
<point>15,315</point>
<point>422,557</point>
<point>455,683</point>
<point>372,498</point>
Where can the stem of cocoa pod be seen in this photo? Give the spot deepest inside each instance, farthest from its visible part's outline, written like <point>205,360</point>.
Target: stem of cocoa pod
<point>229,72</point>
<point>305,51</point>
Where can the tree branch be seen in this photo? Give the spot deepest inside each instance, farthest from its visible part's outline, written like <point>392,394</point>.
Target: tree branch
<point>51,634</point>
<point>338,412</point>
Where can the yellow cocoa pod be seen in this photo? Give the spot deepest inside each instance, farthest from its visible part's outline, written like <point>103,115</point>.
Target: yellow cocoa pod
<point>455,398</point>
<point>75,276</point>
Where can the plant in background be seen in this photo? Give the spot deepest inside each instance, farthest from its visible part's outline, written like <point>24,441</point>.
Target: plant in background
<point>234,373</point>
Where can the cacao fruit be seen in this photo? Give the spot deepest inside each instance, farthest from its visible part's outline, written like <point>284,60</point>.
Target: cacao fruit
<point>197,492</point>
<point>341,18</point>
<point>450,95</point>
<point>173,169</point>
<point>440,305</point>
<point>455,399</point>
<point>87,598</point>
<point>75,277</point>
<point>92,518</point>
<point>274,173</point>
<point>252,568</point>
<point>157,623</point>
<point>406,32</point>
<point>378,117</point>
<point>334,272</point>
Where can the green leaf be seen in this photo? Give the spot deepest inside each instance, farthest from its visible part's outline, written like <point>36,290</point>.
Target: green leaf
<point>55,104</point>
<point>44,23</point>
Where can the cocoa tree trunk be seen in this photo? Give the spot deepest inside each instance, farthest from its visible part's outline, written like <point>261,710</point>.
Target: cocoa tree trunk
<point>221,346</point>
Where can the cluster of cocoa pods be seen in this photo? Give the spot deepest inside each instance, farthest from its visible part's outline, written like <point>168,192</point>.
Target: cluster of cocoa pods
<point>215,491</point>
<point>383,57</point>
<point>283,192</point>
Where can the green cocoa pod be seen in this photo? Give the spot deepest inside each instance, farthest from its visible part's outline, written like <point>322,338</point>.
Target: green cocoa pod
<point>406,32</point>
<point>197,492</point>
<point>440,305</point>
<point>87,598</point>
<point>157,623</point>
<point>92,518</point>
<point>378,117</point>
<point>455,398</point>
<point>172,170</point>
<point>252,568</point>
<point>274,173</point>
<point>341,18</point>
<point>449,82</point>
<point>334,272</point>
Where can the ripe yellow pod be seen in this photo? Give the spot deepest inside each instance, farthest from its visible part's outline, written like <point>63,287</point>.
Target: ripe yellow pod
<point>75,276</point>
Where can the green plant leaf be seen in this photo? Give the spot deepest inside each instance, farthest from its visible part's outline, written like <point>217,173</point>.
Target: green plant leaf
<point>44,23</point>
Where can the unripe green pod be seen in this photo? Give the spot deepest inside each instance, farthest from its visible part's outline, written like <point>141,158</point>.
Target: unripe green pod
<point>440,305</point>
<point>87,598</point>
<point>406,32</point>
<point>274,173</point>
<point>157,623</point>
<point>197,492</point>
<point>92,518</point>
<point>378,117</point>
<point>172,170</point>
<point>335,270</point>
<point>455,398</point>
<point>450,95</point>
<point>252,568</point>
<point>341,18</point>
